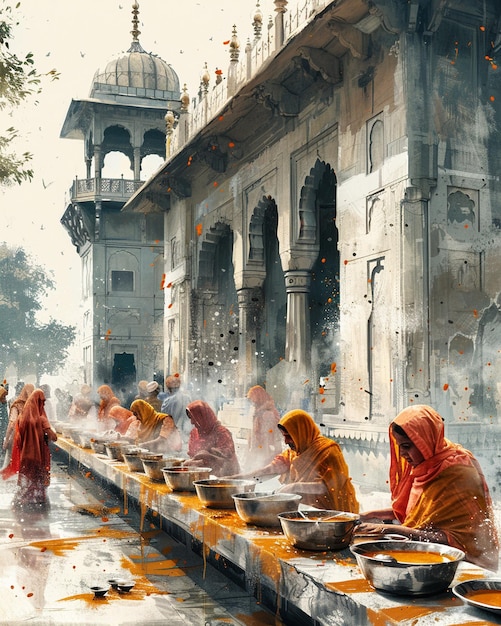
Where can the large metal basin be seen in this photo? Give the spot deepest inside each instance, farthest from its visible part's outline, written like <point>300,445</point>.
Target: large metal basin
<point>218,493</point>
<point>182,478</point>
<point>411,577</point>
<point>262,509</point>
<point>319,530</point>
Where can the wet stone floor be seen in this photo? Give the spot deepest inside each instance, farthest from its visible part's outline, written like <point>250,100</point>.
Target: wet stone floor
<point>50,559</point>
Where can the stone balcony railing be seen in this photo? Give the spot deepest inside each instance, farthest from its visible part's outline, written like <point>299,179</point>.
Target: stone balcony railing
<point>106,189</point>
<point>251,60</point>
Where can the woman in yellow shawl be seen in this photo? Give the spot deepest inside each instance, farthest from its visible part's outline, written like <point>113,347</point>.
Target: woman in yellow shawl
<point>157,431</point>
<point>438,490</point>
<point>313,466</point>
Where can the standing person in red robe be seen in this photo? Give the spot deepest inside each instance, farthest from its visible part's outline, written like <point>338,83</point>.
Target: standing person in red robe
<point>210,444</point>
<point>34,434</point>
<point>11,465</point>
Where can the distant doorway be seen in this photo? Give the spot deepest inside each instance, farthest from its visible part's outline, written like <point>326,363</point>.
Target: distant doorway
<point>123,374</point>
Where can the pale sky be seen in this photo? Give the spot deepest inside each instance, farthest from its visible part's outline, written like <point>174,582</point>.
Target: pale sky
<point>76,37</point>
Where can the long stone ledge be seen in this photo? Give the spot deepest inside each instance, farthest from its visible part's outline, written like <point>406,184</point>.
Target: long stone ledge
<point>324,588</point>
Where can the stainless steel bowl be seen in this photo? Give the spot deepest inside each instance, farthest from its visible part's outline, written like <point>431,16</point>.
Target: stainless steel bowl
<point>319,530</point>
<point>153,466</point>
<point>262,509</point>
<point>469,592</point>
<point>218,492</point>
<point>181,478</point>
<point>393,575</point>
<point>114,450</point>
<point>133,460</point>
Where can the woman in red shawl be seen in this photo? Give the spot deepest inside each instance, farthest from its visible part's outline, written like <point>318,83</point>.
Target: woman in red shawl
<point>11,464</point>
<point>210,443</point>
<point>123,419</point>
<point>34,433</point>
<point>313,466</point>
<point>265,439</point>
<point>157,431</point>
<point>108,400</point>
<point>438,490</point>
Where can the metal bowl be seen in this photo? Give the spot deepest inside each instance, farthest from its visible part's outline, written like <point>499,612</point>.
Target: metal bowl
<point>181,478</point>
<point>319,529</point>
<point>133,459</point>
<point>153,467</point>
<point>114,450</point>
<point>262,509</point>
<point>98,445</point>
<point>482,594</point>
<point>218,492</point>
<point>383,564</point>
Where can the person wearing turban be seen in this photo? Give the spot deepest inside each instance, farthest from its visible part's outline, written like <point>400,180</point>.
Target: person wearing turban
<point>438,490</point>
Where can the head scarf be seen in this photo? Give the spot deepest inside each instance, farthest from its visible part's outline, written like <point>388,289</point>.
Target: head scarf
<point>301,427</point>
<point>203,417</point>
<point>107,401</point>
<point>318,458</point>
<point>31,431</point>
<point>425,428</point>
<point>151,420</point>
<point>25,392</point>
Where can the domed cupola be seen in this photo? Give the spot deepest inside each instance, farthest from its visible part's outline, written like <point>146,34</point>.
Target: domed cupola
<point>136,73</point>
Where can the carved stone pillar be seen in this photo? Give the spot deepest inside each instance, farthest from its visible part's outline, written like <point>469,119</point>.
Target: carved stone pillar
<point>250,306</point>
<point>279,22</point>
<point>98,166</point>
<point>298,337</point>
<point>137,163</point>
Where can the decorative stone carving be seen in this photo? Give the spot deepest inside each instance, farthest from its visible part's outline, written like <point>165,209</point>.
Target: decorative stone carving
<point>74,223</point>
<point>351,38</point>
<point>277,99</point>
<point>327,65</point>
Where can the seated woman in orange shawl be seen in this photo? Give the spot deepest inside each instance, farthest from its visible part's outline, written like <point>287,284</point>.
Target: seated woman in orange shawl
<point>157,431</point>
<point>33,435</point>
<point>438,490</point>
<point>313,466</point>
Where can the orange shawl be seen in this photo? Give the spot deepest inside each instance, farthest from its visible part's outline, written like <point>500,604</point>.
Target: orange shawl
<point>447,491</point>
<point>108,400</point>
<point>152,423</point>
<point>318,458</point>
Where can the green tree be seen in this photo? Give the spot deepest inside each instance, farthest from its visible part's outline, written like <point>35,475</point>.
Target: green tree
<point>34,348</point>
<point>18,81</point>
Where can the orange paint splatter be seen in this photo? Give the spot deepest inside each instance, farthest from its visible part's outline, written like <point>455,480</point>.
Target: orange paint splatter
<point>199,229</point>
<point>333,368</point>
<point>446,386</point>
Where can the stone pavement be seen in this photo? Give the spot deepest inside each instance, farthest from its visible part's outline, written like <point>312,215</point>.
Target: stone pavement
<point>49,560</point>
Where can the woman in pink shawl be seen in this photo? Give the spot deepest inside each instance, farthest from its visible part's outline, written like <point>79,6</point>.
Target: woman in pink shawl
<point>34,434</point>
<point>11,462</point>
<point>210,443</point>
<point>107,401</point>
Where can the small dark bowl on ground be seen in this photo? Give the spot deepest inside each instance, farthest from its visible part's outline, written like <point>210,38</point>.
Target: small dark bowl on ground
<point>218,493</point>
<point>262,509</point>
<point>99,591</point>
<point>124,586</point>
<point>408,567</point>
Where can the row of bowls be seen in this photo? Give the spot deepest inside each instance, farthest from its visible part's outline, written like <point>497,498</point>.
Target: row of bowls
<point>393,566</point>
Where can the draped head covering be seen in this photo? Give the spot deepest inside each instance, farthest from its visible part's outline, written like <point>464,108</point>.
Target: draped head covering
<point>425,428</point>
<point>447,490</point>
<point>151,420</point>
<point>25,392</point>
<point>3,393</point>
<point>318,458</point>
<point>31,429</point>
<point>203,417</point>
<point>108,399</point>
